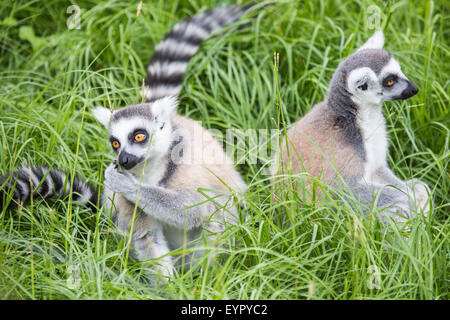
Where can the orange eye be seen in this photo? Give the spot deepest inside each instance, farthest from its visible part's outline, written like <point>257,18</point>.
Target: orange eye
<point>139,137</point>
<point>390,83</point>
<point>115,144</point>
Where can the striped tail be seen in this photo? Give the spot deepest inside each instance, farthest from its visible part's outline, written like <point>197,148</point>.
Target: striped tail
<point>45,183</point>
<point>171,57</point>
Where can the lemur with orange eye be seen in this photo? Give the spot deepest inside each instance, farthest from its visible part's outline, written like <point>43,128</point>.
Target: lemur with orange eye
<point>343,140</point>
<point>181,196</point>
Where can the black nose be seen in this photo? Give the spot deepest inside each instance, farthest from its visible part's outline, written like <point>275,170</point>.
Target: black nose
<point>127,160</point>
<point>410,90</point>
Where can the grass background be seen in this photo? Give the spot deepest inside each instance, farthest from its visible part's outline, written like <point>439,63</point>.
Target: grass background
<point>51,77</point>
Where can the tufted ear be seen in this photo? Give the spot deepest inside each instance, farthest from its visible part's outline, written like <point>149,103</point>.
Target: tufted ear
<point>103,115</point>
<point>376,41</point>
<point>164,108</point>
<point>360,79</point>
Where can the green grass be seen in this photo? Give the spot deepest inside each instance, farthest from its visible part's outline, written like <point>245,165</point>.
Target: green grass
<point>51,77</point>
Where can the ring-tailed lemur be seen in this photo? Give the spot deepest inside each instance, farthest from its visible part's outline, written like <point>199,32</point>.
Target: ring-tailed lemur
<point>169,167</point>
<point>346,133</point>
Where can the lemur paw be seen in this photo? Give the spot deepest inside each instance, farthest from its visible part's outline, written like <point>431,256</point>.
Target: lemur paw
<point>119,182</point>
<point>400,213</point>
<point>421,193</point>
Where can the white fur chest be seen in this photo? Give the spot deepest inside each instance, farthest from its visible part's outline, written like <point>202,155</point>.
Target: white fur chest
<point>154,171</point>
<point>373,130</point>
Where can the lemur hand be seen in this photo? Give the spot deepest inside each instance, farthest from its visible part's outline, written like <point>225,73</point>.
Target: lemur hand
<point>119,182</point>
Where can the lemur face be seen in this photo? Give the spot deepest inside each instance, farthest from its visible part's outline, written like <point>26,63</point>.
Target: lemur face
<point>394,84</point>
<point>139,132</point>
<point>374,76</point>
<point>370,87</point>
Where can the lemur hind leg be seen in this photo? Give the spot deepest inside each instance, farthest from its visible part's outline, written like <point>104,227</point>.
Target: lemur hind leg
<point>148,241</point>
<point>153,246</point>
<point>418,191</point>
<point>392,203</point>
<point>206,240</point>
<point>422,195</point>
<point>182,210</point>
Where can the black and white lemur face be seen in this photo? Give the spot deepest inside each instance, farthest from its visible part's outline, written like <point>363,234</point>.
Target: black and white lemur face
<point>373,76</point>
<point>139,132</point>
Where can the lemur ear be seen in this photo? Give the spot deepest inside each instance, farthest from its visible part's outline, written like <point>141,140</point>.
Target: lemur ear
<point>164,108</point>
<point>375,42</point>
<point>103,115</point>
<point>360,79</point>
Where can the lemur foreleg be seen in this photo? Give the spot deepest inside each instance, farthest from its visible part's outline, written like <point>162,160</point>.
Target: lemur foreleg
<point>182,209</point>
<point>384,176</point>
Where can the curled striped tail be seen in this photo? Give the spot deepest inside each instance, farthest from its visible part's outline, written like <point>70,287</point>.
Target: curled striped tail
<point>45,183</point>
<point>171,57</point>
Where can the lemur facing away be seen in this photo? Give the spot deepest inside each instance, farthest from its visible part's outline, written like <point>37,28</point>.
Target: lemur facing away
<point>170,168</point>
<point>345,135</point>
